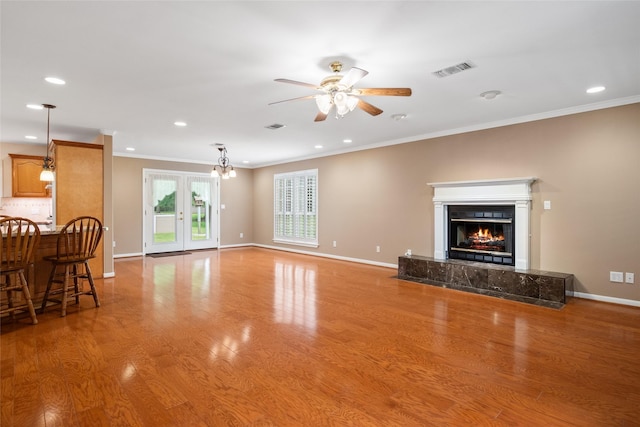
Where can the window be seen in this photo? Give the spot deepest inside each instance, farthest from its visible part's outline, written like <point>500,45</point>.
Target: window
<point>295,204</point>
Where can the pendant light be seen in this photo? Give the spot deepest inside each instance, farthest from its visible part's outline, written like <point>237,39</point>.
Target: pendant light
<point>223,168</point>
<point>47,165</point>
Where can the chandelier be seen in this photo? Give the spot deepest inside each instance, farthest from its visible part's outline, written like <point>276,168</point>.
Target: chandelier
<point>223,168</point>
<point>47,165</point>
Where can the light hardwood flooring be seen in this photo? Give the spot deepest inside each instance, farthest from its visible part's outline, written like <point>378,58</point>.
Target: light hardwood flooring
<point>251,336</point>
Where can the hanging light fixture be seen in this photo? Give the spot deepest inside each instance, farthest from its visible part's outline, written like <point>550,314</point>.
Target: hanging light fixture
<point>344,103</point>
<point>47,165</point>
<point>223,168</point>
<point>342,100</point>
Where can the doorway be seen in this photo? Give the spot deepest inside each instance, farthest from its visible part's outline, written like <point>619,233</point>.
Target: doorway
<point>180,211</point>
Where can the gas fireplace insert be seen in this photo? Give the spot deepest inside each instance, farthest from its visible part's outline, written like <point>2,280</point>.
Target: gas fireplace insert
<point>482,233</point>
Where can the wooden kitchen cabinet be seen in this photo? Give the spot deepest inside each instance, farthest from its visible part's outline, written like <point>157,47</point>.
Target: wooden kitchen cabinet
<point>25,176</point>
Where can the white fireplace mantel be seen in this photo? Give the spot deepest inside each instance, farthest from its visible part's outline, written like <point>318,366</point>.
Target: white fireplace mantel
<point>510,191</point>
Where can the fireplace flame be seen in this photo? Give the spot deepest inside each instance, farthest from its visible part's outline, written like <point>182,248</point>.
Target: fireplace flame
<point>484,235</point>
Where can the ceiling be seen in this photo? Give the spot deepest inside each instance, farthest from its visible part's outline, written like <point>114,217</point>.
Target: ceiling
<point>132,69</point>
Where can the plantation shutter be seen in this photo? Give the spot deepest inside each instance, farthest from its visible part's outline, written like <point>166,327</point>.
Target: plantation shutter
<point>295,208</point>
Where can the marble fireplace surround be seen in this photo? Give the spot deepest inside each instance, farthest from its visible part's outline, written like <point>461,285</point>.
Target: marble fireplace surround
<point>506,192</point>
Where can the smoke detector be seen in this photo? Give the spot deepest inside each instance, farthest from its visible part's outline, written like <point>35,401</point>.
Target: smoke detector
<point>490,94</point>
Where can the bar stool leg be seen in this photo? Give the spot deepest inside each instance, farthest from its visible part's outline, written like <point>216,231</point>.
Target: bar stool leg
<point>77,283</point>
<point>49,283</point>
<point>27,295</point>
<point>91,284</point>
<point>10,300</point>
<point>65,290</point>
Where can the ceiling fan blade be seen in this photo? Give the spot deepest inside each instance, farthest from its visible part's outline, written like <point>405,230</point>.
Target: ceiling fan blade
<point>352,77</point>
<point>320,117</point>
<point>293,99</point>
<point>295,82</point>
<point>390,91</point>
<point>371,109</point>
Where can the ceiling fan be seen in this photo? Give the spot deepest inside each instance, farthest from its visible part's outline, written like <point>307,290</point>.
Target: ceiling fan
<point>338,91</point>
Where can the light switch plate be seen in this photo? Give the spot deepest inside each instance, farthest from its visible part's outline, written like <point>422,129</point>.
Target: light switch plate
<point>547,204</point>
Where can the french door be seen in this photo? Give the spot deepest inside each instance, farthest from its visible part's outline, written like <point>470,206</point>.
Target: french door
<point>180,211</point>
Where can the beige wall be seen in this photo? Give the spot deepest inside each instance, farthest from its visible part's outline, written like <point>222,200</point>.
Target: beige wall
<point>587,165</point>
<point>235,194</point>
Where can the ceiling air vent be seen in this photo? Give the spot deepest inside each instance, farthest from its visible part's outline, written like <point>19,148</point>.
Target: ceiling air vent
<point>275,126</point>
<point>454,69</point>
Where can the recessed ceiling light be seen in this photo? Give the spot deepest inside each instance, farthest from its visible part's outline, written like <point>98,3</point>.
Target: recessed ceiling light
<point>398,117</point>
<point>30,137</point>
<point>490,94</point>
<point>130,149</point>
<point>318,146</point>
<point>245,161</point>
<point>35,106</point>
<point>179,123</point>
<point>55,80</point>
<point>595,89</point>
<point>347,141</point>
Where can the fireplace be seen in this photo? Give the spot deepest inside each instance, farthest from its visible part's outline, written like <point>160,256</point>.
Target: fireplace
<point>482,233</point>
<point>486,219</point>
<point>500,196</point>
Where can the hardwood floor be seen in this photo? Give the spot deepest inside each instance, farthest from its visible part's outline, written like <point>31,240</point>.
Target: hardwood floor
<point>250,336</point>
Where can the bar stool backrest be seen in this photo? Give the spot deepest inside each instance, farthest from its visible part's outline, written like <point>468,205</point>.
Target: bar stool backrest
<point>20,236</point>
<point>79,238</point>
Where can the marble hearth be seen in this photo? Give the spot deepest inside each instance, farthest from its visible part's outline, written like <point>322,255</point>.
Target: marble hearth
<point>544,288</point>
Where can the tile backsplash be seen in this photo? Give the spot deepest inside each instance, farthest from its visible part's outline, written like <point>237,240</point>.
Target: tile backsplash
<point>38,209</point>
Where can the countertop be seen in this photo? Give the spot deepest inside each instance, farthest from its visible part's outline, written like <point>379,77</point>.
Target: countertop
<point>47,229</point>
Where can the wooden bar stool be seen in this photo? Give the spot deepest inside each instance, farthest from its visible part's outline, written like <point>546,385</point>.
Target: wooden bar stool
<point>76,245</point>
<point>20,237</point>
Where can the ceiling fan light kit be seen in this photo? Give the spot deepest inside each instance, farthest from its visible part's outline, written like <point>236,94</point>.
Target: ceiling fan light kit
<point>340,93</point>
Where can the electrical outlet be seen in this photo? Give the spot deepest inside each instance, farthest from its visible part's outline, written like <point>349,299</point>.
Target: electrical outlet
<point>335,243</point>
<point>377,248</point>
<point>629,278</point>
<point>241,235</point>
<point>616,276</point>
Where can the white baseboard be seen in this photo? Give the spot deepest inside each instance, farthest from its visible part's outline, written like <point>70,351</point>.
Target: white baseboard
<point>240,245</point>
<point>127,255</point>
<point>603,298</point>
<point>323,255</point>
<point>108,275</point>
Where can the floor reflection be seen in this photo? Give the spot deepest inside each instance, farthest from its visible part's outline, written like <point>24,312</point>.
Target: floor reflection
<point>294,295</point>
<point>164,281</point>
<point>228,347</point>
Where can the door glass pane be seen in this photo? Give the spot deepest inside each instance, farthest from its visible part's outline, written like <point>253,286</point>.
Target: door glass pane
<point>200,209</point>
<point>164,210</point>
